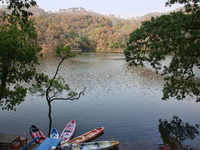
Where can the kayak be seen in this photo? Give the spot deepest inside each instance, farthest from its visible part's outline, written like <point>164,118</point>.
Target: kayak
<point>68,132</point>
<point>35,132</point>
<point>99,145</point>
<point>54,133</point>
<point>73,60</point>
<point>85,137</point>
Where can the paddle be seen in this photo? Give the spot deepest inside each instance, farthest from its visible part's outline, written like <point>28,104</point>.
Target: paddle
<point>70,146</point>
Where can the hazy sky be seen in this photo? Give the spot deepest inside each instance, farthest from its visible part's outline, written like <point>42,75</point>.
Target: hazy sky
<point>124,8</point>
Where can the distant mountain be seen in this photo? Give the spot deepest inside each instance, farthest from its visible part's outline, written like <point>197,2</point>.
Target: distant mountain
<point>79,10</point>
<point>82,29</point>
<point>155,14</point>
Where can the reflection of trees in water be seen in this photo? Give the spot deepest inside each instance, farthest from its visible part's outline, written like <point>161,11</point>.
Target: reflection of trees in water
<point>173,133</point>
<point>145,72</point>
<point>146,77</point>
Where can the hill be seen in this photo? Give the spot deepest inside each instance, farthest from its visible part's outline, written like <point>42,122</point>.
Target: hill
<point>85,30</point>
<point>79,10</point>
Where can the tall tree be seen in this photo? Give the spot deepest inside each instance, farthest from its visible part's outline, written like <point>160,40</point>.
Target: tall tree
<point>52,88</point>
<point>178,34</point>
<point>18,40</point>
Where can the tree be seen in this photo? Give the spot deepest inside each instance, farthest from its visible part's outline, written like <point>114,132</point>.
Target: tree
<point>72,34</point>
<point>178,34</point>
<point>51,36</point>
<point>52,88</point>
<point>18,41</point>
<point>118,23</point>
<point>19,8</point>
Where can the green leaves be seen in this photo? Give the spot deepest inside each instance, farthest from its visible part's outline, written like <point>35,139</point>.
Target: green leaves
<point>20,6</point>
<point>190,5</point>
<point>178,34</point>
<point>64,51</point>
<point>53,88</point>
<point>18,40</point>
<point>58,86</point>
<point>13,97</point>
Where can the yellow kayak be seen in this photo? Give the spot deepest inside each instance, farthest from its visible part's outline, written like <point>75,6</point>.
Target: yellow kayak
<point>99,145</point>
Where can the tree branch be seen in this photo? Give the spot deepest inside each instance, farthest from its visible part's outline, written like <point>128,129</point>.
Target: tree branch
<point>186,27</point>
<point>70,98</point>
<point>194,38</point>
<point>47,91</point>
<point>53,95</point>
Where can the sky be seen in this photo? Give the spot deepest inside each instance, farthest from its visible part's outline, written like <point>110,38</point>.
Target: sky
<point>122,8</point>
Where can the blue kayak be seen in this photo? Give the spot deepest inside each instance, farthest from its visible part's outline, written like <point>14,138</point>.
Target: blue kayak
<point>54,133</point>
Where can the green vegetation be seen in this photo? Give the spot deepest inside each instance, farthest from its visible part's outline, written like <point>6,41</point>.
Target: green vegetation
<point>18,41</point>
<point>177,33</point>
<point>53,88</point>
<point>18,61</point>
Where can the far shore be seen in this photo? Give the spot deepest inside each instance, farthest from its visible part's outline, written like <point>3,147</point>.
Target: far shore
<point>97,50</point>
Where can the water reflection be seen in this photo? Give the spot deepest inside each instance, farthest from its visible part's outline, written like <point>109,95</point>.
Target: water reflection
<point>175,132</point>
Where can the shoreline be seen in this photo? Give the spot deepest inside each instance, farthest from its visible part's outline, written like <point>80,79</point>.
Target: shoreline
<point>97,50</point>
<point>7,139</point>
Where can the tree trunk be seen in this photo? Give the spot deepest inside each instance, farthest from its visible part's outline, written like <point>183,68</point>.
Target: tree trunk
<point>3,82</point>
<point>50,119</point>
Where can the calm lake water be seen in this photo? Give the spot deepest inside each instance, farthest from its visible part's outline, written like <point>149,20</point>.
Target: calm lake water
<point>125,101</point>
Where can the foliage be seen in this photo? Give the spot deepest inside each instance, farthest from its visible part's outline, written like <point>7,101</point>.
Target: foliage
<point>18,8</point>
<point>18,40</point>
<point>53,88</point>
<point>80,31</point>
<point>57,87</point>
<point>178,34</point>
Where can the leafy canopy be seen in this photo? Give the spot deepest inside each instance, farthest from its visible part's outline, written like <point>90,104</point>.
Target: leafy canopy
<point>18,48</point>
<point>53,88</point>
<point>178,34</point>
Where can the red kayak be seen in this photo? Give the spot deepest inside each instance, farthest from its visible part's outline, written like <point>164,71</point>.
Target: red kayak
<point>35,132</point>
<point>68,131</point>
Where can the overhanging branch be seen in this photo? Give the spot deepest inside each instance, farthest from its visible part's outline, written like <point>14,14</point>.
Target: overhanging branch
<point>70,98</point>
<point>187,27</point>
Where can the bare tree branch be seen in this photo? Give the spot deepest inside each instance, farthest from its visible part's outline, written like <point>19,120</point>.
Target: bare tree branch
<point>70,98</point>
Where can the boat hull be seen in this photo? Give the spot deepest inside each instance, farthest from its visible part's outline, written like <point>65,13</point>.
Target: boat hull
<point>35,132</point>
<point>68,132</point>
<point>99,145</point>
<point>85,137</point>
<point>54,133</point>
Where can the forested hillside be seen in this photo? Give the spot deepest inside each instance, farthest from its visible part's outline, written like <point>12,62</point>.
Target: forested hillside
<point>81,29</point>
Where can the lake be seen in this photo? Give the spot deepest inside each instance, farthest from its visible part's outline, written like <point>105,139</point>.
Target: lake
<point>126,101</point>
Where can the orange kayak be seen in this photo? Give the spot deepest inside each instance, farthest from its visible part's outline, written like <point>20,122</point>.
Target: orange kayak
<point>85,137</point>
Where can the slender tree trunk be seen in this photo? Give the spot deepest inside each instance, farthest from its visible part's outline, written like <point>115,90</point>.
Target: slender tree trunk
<point>50,119</point>
<point>49,99</point>
<point>3,82</point>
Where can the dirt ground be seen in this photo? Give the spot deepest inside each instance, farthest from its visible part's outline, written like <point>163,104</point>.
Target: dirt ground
<point>31,147</point>
<point>8,138</point>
